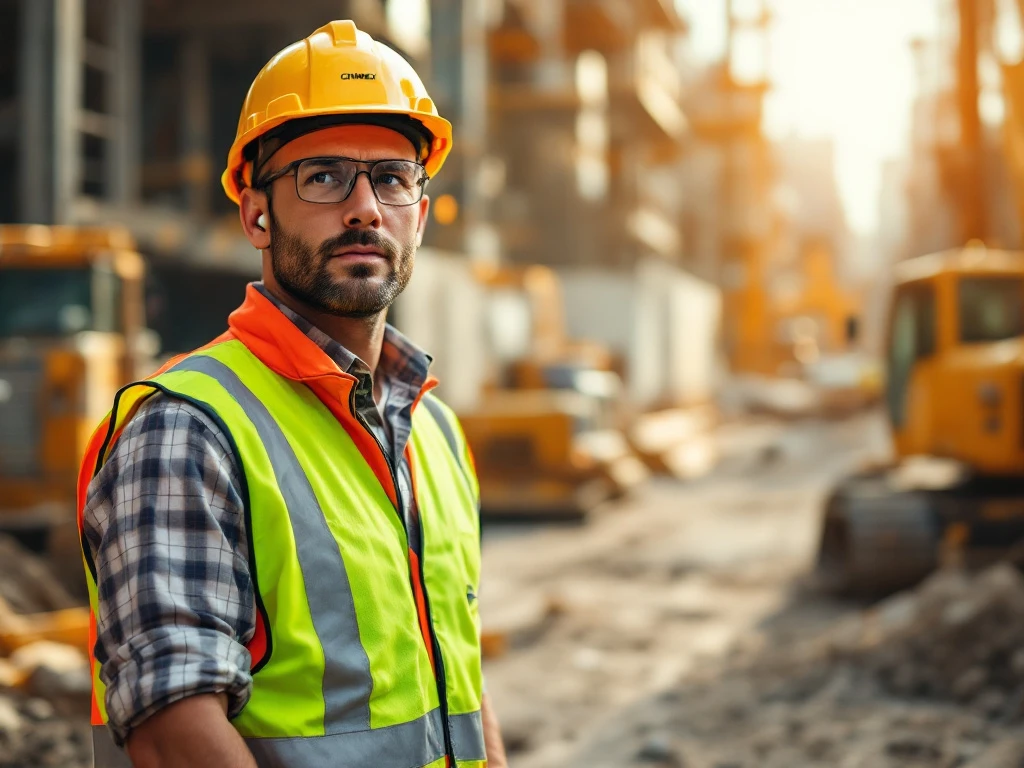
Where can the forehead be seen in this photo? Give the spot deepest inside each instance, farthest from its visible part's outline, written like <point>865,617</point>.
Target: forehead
<point>363,142</point>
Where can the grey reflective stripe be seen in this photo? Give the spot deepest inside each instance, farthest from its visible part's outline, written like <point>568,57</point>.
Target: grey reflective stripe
<point>105,753</point>
<point>394,747</point>
<point>441,418</point>
<point>409,745</point>
<point>432,405</point>
<point>468,736</point>
<point>347,682</point>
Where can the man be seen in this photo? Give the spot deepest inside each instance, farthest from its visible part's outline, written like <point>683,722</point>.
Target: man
<point>280,529</point>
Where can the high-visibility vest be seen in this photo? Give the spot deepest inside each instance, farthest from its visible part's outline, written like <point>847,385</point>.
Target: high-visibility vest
<point>364,653</point>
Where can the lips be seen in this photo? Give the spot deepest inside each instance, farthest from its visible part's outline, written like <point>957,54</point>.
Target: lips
<point>359,253</point>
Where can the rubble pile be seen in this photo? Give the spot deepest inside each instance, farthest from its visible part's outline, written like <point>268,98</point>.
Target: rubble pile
<point>932,677</point>
<point>954,639</point>
<point>44,672</point>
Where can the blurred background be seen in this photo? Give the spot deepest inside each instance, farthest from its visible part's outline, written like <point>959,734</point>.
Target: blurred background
<point>727,294</point>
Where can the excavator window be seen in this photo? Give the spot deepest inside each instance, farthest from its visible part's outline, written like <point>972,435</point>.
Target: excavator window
<point>991,309</point>
<point>55,302</point>
<point>912,335</point>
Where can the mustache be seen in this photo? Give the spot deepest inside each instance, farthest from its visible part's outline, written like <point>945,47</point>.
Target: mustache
<point>367,238</point>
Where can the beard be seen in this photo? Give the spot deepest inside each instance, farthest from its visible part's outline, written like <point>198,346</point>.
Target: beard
<point>305,272</point>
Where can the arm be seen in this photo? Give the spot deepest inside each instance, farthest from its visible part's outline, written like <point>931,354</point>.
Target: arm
<point>191,732</point>
<point>164,523</point>
<point>496,757</point>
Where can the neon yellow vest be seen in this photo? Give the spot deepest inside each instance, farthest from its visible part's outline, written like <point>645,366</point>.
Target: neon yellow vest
<point>347,679</point>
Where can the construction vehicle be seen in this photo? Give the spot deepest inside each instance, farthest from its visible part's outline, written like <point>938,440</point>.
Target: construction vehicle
<point>546,435</point>
<point>954,396</point>
<point>72,331</point>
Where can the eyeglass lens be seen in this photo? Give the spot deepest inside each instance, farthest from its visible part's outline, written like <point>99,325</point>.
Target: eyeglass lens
<point>395,182</point>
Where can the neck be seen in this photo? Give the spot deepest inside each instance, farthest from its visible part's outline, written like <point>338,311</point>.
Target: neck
<point>362,336</point>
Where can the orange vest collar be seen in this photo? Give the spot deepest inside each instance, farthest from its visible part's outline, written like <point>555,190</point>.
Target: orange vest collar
<point>282,346</point>
<point>278,342</point>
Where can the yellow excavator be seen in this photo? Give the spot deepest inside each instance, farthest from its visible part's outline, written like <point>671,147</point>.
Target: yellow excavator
<point>955,402</point>
<point>72,331</point>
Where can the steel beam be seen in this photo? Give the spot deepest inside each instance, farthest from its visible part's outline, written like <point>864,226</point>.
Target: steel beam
<point>195,149</point>
<point>34,171</point>
<point>69,41</point>
<point>971,186</point>
<point>124,154</point>
<point>459,87</point>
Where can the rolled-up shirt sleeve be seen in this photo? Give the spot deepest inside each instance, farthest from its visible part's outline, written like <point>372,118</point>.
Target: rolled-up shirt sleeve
<point>164,524</point>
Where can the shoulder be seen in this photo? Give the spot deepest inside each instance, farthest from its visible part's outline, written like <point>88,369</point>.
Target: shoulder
<point>439,407</point>
<point>167,442</point>
<point>454,434</point>
<point>170,457</point>
<point>173,422</point>
<point>443,414</point>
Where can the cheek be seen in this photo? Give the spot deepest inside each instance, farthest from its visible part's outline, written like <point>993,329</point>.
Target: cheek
<point>310,229</point>
<point>404,224</point>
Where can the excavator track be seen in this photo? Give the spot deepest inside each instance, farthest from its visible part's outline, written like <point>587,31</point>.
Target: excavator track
<point>876,540</point>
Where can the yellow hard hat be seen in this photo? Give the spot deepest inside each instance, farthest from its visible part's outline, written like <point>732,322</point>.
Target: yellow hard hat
<point>338,74</point>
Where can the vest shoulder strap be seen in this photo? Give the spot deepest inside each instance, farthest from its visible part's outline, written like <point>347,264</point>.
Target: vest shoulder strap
<point>440,414</point>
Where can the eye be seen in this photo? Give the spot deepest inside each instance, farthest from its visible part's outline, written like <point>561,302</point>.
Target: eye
<point>322,177</point>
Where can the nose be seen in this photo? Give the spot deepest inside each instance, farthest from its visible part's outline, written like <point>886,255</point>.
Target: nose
<point>361,206</point>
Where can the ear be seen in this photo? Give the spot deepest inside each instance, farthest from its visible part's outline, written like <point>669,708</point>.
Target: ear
<point>251,206</point>
<point>424,210</point>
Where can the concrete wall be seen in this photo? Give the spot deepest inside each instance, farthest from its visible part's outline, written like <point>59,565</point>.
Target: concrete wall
<point>663,322</point>
<point>443,311</point>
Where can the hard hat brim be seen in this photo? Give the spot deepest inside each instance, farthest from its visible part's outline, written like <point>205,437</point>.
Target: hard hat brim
<point>438,127</point>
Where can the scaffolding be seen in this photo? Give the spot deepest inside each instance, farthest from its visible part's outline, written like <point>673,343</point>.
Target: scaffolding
<point>100,83</point>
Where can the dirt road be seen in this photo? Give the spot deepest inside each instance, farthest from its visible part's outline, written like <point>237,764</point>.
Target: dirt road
<point>657,590</point>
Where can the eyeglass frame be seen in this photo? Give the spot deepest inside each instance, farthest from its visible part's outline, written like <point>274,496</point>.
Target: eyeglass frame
<point>293,166</point>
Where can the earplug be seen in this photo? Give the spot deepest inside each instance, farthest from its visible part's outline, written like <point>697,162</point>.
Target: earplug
<point>261,222</point>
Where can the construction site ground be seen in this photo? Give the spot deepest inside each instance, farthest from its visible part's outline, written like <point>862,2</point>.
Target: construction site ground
<point>679,629</point>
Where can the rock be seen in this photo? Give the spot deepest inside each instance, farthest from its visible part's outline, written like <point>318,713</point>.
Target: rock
<point>991,702</point>
<point>521,728</point>
<point>68,691</point>
<point>1001,578</point>
<point>10,676</point>
<point>57,657</point>
<point>660,750</point>
<point>897,614</point>
<point>38,709</point>
<point>1008,753</point>
<point>970,683</point>
<point>961,612</point>
<point>10,719</point>
<point>587,659</point>
<point>1017,663</point>
<point>913,748</point>
<point>26,582</point>
<point>51,683</point>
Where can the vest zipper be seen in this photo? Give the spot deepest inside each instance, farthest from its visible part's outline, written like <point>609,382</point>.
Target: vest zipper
<point>442,686</point>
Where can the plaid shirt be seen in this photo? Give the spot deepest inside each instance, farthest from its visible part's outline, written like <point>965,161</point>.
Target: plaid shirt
<point>165,526</point>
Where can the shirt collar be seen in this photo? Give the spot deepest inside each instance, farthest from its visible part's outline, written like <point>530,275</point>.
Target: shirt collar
<point>400,361</point>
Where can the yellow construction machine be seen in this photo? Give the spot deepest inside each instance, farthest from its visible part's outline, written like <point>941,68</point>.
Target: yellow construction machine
<point>72,331</point>
<point>955,401</point>
<point>546,435</point>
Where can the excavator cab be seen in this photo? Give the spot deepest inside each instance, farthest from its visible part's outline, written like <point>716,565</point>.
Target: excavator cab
<point>954,397</point>
<point>956,360</point>
<point>72,332</point>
